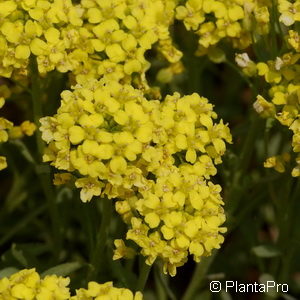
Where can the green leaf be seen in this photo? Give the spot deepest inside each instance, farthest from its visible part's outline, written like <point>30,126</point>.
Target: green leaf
<point>18,192</point>
<point>266,251</point>
<point>18,254</point>
<point>63,269</point>
<point>24,150</point>
<point>6,272</point>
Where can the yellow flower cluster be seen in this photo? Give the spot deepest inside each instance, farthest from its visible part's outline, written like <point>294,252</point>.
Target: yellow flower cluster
<point>239,21</point>
<point>278,162</point>
<point>7,129</point>
<point>27,285</point>
<point>5,126</point>
<point>284,93</point>
<point>91,39</point>
<point>283,81</point>
<point>155,157</point>
<point>26,128</point>
<point>283,75</point>
<point>100,130</point>
<point>96,291</point>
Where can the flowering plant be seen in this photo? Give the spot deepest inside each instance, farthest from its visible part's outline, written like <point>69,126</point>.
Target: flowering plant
<point>149,128</point>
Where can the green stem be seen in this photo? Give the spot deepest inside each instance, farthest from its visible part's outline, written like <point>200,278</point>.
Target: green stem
<point>256,49</point>
<point>98,256</point>
<point>143,276</point>
<point>160,291</point>
<point>43,171</point>
<point>287,233</point>
<point>36,95</point>
<point>243,76</point>
<point>125,278</point>
<point>249,144</point>
<point>249,207</point>
<point>88,225</point>
<point>286,264</point>
<point>198,276</point>
<point>162,280</point>
<point>273,31</point>
<point>236,192</point>
<point>129,264</point>
<point>276,18</point>
<point>22,224</point>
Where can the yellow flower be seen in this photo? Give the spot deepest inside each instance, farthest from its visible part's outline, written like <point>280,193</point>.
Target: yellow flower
<point>4,126</point>
<point>6,8</point>
<point>263,107</point>
<point>76,135</point>
<point>3,163</point>
<point>61,178</point>
<point>2,101</point>
<point>192,14</point>
<point>22,52</point>
<point>28,128</point>
<point>122,251</point>
<point>277,162</point>
<point>294,40</point>
<point>89,187</point>
<point>290,12</point>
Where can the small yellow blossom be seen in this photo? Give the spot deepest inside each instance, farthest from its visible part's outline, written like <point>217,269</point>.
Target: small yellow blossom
<point>28,128</point>
<point>122,251</point>
<point>61,178</point>
<point>263,107</point>
<point>277,162</point>
<point>3,163</point>
<point>89,187</point>
<point>290,12</point>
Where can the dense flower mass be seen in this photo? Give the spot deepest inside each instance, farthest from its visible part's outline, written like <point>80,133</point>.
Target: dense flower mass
<point>113,139</point>
<point>155,157</point>
<point>97,291</point>
<point>92,38</point>
<point>7,128</point>
<point>283,84</point>
<point>28,285</point>
<point>283,76</point>
<point>212,20</point>
<point>112,134</point>
<point>5,125</point>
